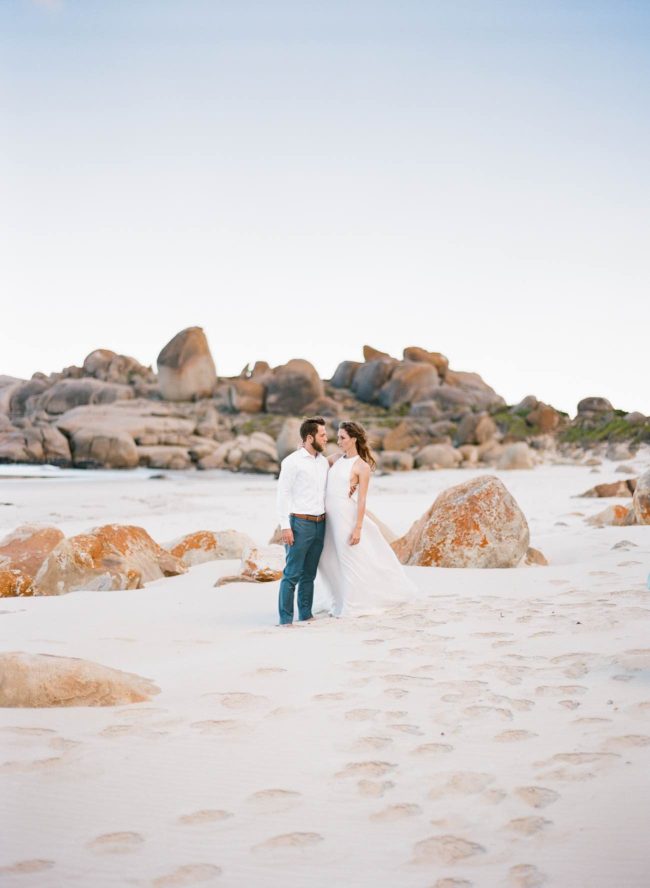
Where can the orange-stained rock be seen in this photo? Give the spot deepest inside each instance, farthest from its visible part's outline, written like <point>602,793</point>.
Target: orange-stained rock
<point>613,516</point>
<point>410,383</point>
<point>545,417</point>
<point>209,545</point>
<point>259,564</point>
<point>14,583</point>
<point>27,547</point>
<point>38,680</point>
<point>475,524</point>
<point>641,500</point>
<point>373,354</point>
<point>114,556</point>
<point>246,396</point>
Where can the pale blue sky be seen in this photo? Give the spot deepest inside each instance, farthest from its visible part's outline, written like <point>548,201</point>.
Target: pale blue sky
<point>300,178</point>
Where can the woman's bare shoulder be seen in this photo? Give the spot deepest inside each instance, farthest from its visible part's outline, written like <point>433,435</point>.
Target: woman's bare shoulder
<point>362,467</point>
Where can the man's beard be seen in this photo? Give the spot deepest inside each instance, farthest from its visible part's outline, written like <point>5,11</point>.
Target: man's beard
<point>318,447</point>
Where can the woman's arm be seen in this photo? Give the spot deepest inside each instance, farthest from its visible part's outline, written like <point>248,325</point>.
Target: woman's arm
<point>364,481</point>
<point>331,459</point>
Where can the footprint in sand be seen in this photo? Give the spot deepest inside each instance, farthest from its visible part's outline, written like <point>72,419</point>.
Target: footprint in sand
<point>273,801</point>
<point>569,704</point>
<point>116,843</point>
<point>528,826</point>
<point>396,812</point>
<point>525,875</point>
<point>359,715</point>
<point>130,731</point>
<point>445,849</point>
<point>374,788</point>
<point>205,816</point>
<point>330,698</point>
<point>366,769</point>
<point>26,866</point>
<point>269,670</point>
<point>628,741</point>
<point>514,736</point>
<point>396,693</point>
<point>239,700</point>
<point>28,732</point>
<point>497,712</point>
<point>296,840</point>
<point>537,796</point>
<point>219,726</point>
<point>462,783</point>
<point>433,749</point>
<point>452,883</point>
<point>45,764</point>
<point>189,874</point>
<point>581,758</point>
<point>560,690</point>
<point>365,744</point>
<point>142,713</point>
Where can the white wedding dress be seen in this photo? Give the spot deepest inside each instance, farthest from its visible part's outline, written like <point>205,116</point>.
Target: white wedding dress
<point>360,579</point>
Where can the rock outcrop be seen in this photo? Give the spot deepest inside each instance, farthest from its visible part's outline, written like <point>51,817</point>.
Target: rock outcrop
<point>259,564</point>
<point>292,386</point>
<point>40,680</point>
<point>26,548</point>
<point>475,524</point>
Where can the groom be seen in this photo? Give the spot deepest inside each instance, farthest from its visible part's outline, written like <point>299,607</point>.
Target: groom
<point>301,509</point>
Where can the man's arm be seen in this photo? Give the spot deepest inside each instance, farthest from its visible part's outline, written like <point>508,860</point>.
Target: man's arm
<point>283,500</point>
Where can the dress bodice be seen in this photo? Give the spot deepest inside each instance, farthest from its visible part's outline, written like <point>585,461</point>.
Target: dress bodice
<point>338,480</point>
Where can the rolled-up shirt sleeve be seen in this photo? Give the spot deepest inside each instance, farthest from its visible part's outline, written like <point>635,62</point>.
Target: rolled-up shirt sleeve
<point>283,500</point>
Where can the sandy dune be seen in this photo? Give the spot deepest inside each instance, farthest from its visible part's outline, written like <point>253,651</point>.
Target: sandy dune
<point>494,733</point>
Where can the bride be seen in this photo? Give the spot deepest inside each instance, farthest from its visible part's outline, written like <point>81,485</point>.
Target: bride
<point>358,572</point>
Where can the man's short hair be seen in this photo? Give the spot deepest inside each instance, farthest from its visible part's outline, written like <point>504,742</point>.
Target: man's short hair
<point>310,426</point>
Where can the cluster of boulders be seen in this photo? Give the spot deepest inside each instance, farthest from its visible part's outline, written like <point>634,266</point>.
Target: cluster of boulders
<point>114,412</point>
<point>40,560</point>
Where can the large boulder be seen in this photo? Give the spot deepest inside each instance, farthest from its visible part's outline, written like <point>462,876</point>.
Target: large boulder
<point>107,365</point>
<point>374,354</point>
<point>186,370</point>
<point>292,386</point>
<point>24,395</point>
<point>516,456</point>
<point>438,456</point>
<point>110,557</point>
<point>13,447</point>
<point>613,516</point>
<point>165,456</point>
<point>480,395</point>
<point>100,447</point>
<point>594,405</point>
<point>409,383</point>
<point>408,433</point>
<point>289,438</point>
<point>370,377</point>
<point>40,680</point>
<point>209,545</point>
<point>476,428</point>
<point>14,583</point>
<point>344,374</point>
<point>613,488</point>
<point>259,453</point>
<point>437,360</point>
<point>69,393</point>
<point>246,396</point>
<point>259,564</point>
<point>396,461</point>
<point>545,417</point>
<point>475,524</point>
<point>641,499</point>
<point>147,422</point>
<point>426,410</point>
<point>27,547</point>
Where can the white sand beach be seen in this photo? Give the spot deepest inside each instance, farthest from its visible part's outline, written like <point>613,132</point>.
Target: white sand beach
<point>496,732</point>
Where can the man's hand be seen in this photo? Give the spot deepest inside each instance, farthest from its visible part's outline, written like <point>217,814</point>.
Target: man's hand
<point>287,536</point>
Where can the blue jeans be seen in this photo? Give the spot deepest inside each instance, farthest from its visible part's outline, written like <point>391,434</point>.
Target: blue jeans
<point>300,568</point>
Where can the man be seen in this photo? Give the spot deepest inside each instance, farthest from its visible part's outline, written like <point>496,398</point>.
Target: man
<point>301,509</point>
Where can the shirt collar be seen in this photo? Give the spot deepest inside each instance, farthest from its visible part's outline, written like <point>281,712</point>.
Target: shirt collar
<point>304,452</point>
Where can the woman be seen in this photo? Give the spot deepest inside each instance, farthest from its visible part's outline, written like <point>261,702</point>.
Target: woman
<point>358,572</point>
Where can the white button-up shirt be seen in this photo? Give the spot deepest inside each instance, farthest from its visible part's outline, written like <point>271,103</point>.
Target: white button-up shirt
<point>301,485</point>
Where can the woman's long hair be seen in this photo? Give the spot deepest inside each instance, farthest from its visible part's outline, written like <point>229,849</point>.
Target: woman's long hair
<point>357,431</point>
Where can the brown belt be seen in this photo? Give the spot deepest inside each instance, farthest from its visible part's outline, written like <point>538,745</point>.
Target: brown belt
<point>309,517</point>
